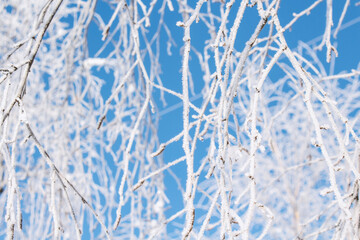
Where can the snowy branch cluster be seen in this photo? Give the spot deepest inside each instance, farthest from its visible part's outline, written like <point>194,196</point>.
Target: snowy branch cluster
<point>272,150</point>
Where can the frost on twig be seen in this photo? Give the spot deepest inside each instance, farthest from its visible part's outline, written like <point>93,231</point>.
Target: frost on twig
<point>263,141</point>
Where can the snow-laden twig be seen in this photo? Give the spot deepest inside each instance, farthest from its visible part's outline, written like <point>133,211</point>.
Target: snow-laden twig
<point>315,121</point>
<point>327,35</point>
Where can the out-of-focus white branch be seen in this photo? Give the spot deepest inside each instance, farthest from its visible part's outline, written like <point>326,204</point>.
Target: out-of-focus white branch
<point>346,5</point>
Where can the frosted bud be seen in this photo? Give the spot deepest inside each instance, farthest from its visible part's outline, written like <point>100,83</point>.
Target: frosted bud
<point>325,191</point>
<point>180,24</point>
